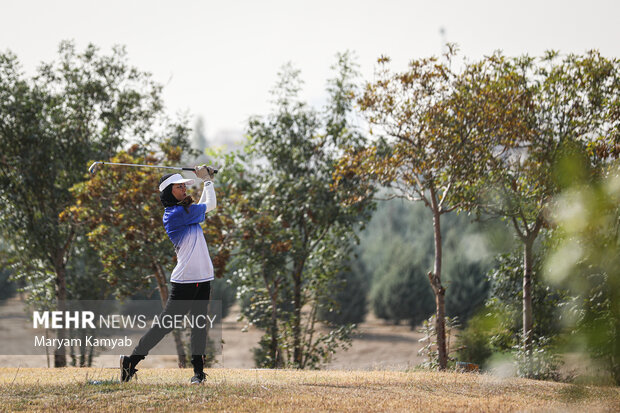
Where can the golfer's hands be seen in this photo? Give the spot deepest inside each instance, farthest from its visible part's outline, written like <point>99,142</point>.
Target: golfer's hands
<point>205,172</point>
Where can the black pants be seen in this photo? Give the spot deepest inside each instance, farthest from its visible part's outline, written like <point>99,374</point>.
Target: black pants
<point>184,298</point>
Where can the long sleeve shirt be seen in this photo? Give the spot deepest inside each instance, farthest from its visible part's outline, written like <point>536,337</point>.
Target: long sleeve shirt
<point>184,230</point>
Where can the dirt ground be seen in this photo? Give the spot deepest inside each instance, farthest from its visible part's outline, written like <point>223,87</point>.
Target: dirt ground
<point>376,345</point>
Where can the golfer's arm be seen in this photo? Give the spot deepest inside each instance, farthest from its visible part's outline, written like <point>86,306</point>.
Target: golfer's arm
<point>208,196</point>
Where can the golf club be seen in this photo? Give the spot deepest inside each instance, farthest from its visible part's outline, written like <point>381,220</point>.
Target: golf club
<point>93,168</point>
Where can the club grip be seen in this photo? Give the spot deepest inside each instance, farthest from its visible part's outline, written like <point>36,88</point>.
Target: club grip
<point>193,170</point>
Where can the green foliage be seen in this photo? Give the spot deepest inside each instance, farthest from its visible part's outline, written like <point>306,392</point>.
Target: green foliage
<point>466,287</point>
<point>540,362</point>
<point>396,227</point>
<point>399,242</point>
<point>429,340</point>
<point>8,287</point>
<point>426,150</point>
<point>346,301</point>
<point>474,341</point>
<point>507,292</point>
<point>490,332</point>
<point>490,336</point>
<point>403,293</point>
<point>86,279</point>
<point>550,121</point>
<point>262,355</point>
<point>294,226</point>
<point>223,291</point>
<point>586,260</point>
<point>80,107</point>
<point>497,328</point>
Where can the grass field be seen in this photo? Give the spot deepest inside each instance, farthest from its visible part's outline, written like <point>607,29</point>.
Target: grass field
<point>236,390</point>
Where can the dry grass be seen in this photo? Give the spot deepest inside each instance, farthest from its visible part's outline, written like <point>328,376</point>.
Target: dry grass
<point>35,389</point>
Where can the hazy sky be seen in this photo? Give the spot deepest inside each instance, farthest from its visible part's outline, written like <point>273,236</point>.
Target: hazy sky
<point>219,59</point>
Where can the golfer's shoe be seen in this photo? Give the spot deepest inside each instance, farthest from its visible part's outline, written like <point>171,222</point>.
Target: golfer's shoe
<point>198,378</point>
<point>127,369</point>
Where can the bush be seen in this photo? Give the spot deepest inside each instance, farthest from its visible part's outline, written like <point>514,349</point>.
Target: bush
<point>496,328</point>
<point>7,287</point>
<point>399,238</point>
<point>486,333</point>
<point>429,349</point>
<point>473,342</point>
<point>403,294</point>
<point>467,287</point>
<point>507,291</point>
<point>540,363</point>
<point>346,303</point>
<point>221,290</point>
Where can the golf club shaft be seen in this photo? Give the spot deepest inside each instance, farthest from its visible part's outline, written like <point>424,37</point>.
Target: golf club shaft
<point>178,168</point>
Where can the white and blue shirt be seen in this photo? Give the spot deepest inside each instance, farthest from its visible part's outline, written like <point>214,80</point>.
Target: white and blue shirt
<point>184,230</point>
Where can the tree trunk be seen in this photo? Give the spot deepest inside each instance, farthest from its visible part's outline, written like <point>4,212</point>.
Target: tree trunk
<point>615,355</point>
<point>273,326</point>
<point>276,358</point>
<point>163,294</point>
<point>83,348</point>
<point>72,355</point>
<point>91,352</point>
<point>435,280</point>
<point>60,355</point>
<point>59,262</point>
<point>297,347</point>
<point>273,332</point>
<point>297,321</point>
<point>47,351</point>
<point>528,320</point>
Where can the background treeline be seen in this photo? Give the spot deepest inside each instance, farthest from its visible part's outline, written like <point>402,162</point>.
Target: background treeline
<point>503,215</point>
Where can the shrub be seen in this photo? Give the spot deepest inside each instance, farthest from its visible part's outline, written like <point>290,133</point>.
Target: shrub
<point>222,291</point>
<point>347,304</point>
<point>540,363</point>
<point>403,294</point>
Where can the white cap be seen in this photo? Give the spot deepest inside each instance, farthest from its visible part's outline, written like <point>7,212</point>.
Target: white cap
<point>174,179</point>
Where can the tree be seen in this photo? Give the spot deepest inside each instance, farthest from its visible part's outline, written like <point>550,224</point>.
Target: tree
<point>585,259</point>
<point>120,210</point>
<point>261,266</point>
<point>506,280</point>
<point>468,287</point>
<point>7,287</point>
<point>295,226</point>
<point>123,223</point>
<point>561,106</point>
<point>424,152</point>
<point>346,301</point>
<point>397,243</point>
<point>81,107</point>
<point>402,292</point>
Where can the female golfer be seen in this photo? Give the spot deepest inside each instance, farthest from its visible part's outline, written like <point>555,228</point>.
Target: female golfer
<point>193,273</point>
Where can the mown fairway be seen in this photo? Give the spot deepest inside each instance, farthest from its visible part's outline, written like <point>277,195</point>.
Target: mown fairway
<point>285,390</point>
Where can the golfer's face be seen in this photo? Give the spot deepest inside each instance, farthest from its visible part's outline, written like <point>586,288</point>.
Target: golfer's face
<point>178,191</point>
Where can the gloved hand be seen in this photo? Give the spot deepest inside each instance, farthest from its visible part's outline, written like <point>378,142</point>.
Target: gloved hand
<point>205,172</point>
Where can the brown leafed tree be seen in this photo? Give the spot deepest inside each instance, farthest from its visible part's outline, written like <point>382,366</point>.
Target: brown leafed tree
<point>424,150</point>
<point>120,209</point>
